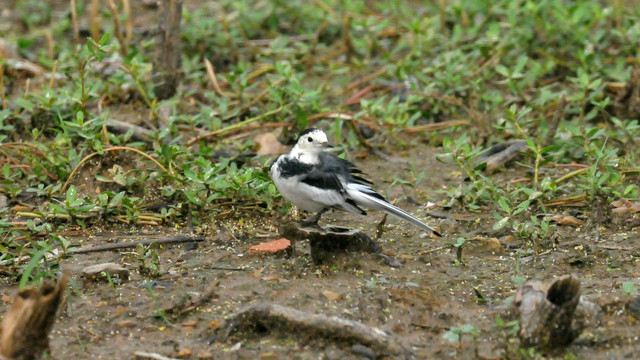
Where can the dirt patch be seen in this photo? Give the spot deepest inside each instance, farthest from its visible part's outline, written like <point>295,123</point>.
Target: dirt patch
<point>417,303</point>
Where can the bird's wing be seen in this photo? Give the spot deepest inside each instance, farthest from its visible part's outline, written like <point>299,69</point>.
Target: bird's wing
<point>333,174</point>
<point>344,168</point>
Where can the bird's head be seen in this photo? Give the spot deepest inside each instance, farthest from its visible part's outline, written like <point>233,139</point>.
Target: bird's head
<point>312,141</point>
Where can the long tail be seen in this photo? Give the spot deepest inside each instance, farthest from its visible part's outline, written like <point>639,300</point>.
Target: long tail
<point>367,197</point>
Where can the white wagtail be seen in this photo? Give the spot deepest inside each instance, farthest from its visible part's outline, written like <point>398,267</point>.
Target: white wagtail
<point>316,181</point>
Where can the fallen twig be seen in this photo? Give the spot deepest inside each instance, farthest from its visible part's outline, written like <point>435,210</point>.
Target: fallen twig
<point>346,115</point>
<point>277,317</point>
<point>437,126</point>
<point>425,252</point>
<point>139,133</point>
<point>500,154</point>
<point>183,307</point>
<point>126,245</point>
<point>363,80</point>
<point>141,355</point>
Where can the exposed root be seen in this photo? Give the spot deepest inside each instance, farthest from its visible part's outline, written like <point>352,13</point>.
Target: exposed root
<point>287,320</point>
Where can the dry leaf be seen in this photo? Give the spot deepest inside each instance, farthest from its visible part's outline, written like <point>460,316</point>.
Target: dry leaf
<point>184,353</point>
<point>268,144</point>
<point>567,220</point>
<point>331,296</point>
<point>127,324</point>
<point>622,207</point>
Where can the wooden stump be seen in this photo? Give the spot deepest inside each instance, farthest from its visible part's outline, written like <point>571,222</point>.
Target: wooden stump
<point>26,326</point>
<point>552,316</point>
<point>328,241</point>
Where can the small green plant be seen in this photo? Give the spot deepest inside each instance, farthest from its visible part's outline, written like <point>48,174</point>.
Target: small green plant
<point>149,260</point>
<point>458,246</point>
<point>629,287</point>
<point>455,334</point>
<point>511,328</point>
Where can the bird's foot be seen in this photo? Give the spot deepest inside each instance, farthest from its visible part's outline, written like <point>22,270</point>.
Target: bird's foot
<point>311,223</point>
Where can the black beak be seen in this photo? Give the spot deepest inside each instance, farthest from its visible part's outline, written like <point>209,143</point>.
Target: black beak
<point>327,145</point>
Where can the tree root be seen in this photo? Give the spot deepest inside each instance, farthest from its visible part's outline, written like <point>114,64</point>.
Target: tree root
<point>286,320</point>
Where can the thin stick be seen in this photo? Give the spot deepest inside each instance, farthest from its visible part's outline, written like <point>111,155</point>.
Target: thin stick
<point>166,65</point>
<point>116,24</point>
<point>571,174</point>
<point>443,15</point>
<point>212,77</point>
<point>50,44</point>
<point>127,245</point>
<point>434,250</point>
<point>94,19</point>
<point>613,247</point>
<point>363,80</point>
<point>348,45</point>
<point>128,27</point>
<point>53,74</point>
<point>2,89</point>
<point>115,148</point>
<point>238,125</point>
<point>74,21</point>
<point>262,94</point>
<point>346,115</point>
<point>141,355</point>
<point>437,126</point>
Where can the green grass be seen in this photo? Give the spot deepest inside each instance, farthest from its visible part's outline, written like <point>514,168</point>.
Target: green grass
<point>502,66</point>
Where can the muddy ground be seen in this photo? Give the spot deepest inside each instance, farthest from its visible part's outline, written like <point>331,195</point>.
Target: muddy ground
<point>432,293</point>
<point>417,303</point>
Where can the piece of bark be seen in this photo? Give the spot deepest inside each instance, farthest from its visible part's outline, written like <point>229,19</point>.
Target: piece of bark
<point>286,320</point>
<point>26,326</point>
<point>500,154</point>
<point>325,242</point>
<point>139,133</point>
<point>166,66</point>
<point>552,316</point>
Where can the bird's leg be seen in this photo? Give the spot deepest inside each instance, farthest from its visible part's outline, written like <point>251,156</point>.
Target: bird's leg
<point>313,222</point>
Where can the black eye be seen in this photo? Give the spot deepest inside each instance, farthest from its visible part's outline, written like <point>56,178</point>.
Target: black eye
<point>310,139</point>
